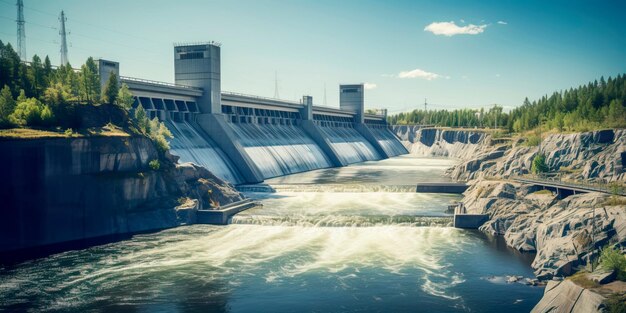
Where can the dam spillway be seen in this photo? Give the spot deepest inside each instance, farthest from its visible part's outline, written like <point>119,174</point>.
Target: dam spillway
<point>246,138</point>
<point>280,149</point>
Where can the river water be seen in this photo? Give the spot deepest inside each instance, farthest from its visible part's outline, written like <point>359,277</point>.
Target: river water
<point>333,240</point>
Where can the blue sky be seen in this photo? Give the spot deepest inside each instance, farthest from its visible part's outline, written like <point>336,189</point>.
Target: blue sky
<point>455,53</point>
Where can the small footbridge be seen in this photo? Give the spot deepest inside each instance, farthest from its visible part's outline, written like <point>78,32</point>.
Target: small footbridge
<point>565,188</point>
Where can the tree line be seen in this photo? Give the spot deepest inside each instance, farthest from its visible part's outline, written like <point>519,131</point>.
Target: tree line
<point>598,104</point>
<point>36,94</point>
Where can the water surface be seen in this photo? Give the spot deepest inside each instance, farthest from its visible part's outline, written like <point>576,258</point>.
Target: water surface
<point>306,250</point>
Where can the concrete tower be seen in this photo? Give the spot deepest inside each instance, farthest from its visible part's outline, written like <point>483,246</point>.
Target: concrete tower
<point>198,65</point>
<point>351,99</point>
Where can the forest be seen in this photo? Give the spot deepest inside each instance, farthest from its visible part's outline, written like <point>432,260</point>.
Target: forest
<point>596,105</point>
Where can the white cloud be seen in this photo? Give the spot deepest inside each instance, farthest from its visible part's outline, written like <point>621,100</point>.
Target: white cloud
<point>502,22</point>
<point>417,73</point>
<point>370,85</point>
<point>451,29</point>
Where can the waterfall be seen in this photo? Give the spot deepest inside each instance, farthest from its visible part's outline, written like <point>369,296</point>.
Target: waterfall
<point>388,141</point>
<point>192,146</point>
<point>351,147</point>
<point>280,149</point>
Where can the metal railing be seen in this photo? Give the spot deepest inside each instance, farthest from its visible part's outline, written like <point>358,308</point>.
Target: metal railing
<point>557,181</point>
<point>238,94</point>
<point>154,82</point>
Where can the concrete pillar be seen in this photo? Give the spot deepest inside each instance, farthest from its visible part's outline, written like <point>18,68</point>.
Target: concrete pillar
<point>219,131</point>
<point>198,65</point>
<point>307,110</point>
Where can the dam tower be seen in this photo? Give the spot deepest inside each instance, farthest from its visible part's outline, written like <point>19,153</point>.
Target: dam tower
<point>351,99</point>
<point>198,65</point>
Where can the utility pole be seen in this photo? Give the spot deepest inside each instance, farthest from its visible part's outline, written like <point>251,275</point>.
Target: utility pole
<point>276,96</point>
<point>64,60</point>
<point>21,32</point>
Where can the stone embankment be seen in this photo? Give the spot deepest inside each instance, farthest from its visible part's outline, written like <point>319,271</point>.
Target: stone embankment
<point>64,190</point>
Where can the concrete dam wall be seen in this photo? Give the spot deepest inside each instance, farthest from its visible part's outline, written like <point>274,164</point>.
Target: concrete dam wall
<point>247,138</point>
<point>272,150</point>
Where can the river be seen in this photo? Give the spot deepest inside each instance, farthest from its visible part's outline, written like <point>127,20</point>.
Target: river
<point>349,239</point>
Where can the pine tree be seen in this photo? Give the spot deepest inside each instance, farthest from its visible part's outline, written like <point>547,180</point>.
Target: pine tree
<point>7,106</point>
<point>111,89</point>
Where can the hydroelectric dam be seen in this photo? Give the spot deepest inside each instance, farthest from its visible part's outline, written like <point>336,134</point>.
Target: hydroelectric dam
<point>247,139</point>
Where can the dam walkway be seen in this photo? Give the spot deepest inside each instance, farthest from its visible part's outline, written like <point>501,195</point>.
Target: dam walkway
<point>565,189</point>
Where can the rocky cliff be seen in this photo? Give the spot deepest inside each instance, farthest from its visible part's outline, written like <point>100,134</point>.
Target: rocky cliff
<point>564,233</point>
<point>68,189</point>
<point>588,156</point>
<point>443,142</point>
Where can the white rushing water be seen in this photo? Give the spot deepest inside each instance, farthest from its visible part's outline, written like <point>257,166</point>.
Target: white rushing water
<point>350,145</point>
<point>304,250</point>
<point>192,146</point>
<point>279,149</point>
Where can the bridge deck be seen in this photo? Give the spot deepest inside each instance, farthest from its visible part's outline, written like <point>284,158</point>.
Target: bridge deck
<point>578,187</point>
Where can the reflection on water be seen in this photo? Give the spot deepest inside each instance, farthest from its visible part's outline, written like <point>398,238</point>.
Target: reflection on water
<point>329,251</point>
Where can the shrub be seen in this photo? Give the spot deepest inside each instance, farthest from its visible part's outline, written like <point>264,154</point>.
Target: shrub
<point>539,164</point>
<point>155,164</point>
<point>616,303</point>
<point>69,132</point>
<point>533,141</point>
<point>613,259</point>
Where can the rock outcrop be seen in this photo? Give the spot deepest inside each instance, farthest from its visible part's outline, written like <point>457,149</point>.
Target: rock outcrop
<point>564,233</point>
<point>68,189</point>
<point>590,156</point>
<point>460,144</point>
<point>567,297</point>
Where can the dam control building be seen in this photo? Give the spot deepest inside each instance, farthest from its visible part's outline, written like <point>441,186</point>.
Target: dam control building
<point>245,138</point>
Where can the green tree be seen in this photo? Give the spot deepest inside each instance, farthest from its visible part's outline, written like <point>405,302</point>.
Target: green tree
<point>125,97</point>
<point>89,82</point>
<point>142,120</point>
<point>7,106</point>
<point>539,164</point>
<point>36,76</point>
<point>111,89</point>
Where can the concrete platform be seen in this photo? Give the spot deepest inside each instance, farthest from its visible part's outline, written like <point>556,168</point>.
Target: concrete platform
<point>469,221</point>
<point>222,216</point>
<point>442,187</point>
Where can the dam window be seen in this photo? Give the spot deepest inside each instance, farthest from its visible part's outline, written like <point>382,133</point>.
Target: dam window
<point>192,106</point>
<point>181,105</point>
<point>169,104</point>
<point>158,103</point>
<point>350,90</point>
<point>146,103</point>
<point>191,55</point>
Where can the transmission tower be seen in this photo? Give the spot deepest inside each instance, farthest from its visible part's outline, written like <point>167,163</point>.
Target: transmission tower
<point>21,33</point>
<point>64,59</point>
<point>325,94</point>
<point>425,104</point>
<point>276,96</point>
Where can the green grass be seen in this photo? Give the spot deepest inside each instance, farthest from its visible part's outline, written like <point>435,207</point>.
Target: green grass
<point>32,133</point>
<point>581,279</point>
